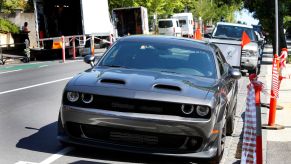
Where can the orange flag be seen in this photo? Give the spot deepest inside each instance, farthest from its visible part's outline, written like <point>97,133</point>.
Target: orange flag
<point>245,39</point>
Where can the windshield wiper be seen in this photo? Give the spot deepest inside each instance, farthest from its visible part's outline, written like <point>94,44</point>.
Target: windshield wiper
<point>229,38</point>
<point>114,66</point>
<point>171,72</point>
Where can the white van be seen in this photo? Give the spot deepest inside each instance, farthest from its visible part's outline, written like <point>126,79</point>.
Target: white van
<point>186,23</point>
<point>169,27</point>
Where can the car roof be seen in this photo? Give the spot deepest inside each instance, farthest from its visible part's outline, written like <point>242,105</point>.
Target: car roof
<point>179,41</point>
<point>168,19</point>
<point>183,14</point>
<point>234,24</point>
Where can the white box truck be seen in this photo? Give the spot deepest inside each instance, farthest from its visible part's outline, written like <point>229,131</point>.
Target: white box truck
<point>56,18</point>
<point>131,20</point>
<point>186,23</point>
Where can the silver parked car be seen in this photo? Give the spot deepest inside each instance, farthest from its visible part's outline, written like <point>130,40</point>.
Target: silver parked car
<point>155,95</point>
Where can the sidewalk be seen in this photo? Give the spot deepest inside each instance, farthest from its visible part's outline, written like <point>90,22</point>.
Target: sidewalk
<point>277,143</point>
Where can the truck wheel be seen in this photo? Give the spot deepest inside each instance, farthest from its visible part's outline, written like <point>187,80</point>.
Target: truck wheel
<point>255,71</point>
<point>259,69</point>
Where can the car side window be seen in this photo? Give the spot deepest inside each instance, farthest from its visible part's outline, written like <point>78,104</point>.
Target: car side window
<point>221,62</point>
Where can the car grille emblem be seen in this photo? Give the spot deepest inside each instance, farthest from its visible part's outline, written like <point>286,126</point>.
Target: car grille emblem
<point>134,138</point>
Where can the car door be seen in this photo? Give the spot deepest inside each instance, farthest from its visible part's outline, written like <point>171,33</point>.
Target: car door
<point>227,83</point>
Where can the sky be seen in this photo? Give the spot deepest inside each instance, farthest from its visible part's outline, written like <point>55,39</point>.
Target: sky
<point>245,16</point>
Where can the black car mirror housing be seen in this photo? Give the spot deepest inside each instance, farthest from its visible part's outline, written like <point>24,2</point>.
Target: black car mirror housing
<point>89,59</point>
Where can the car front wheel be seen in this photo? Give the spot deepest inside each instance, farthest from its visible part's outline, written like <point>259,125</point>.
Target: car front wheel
<point>220,146</point>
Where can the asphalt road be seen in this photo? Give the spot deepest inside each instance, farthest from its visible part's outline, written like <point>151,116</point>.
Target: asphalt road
<point>30,97</point>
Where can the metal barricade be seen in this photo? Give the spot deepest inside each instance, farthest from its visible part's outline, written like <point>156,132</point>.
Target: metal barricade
<point>64,42</point>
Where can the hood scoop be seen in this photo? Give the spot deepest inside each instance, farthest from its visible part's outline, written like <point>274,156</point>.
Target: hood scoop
<point>167,87</point>
<point>112,81</point>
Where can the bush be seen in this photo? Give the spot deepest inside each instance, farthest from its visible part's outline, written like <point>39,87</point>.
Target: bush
<point>8,27</point>
<point>288,59</point>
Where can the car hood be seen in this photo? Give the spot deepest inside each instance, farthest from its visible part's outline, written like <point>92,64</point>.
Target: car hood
<point>119,80</point>
<point>225,41</point>
<point>251,45</point>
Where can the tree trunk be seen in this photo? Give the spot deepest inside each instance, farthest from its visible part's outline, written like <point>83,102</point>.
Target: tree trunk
<point>282,38</point>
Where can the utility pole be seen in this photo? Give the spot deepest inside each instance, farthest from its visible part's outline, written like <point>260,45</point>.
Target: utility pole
<point>277,26</point>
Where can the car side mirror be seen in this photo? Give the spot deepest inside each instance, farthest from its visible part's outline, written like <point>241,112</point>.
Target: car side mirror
<point>235,73</point>
<point>89,59</point>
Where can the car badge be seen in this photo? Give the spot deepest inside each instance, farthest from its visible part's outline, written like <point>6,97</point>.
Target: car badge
<point>229,54</point>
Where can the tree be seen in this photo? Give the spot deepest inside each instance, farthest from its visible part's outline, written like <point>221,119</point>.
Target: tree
<point>9,6</point>
<point>265,11</point>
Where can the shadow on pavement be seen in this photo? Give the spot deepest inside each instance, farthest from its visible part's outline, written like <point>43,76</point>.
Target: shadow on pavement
<point>86,162</point>
<point>44,140</point>
<point>108,156</point>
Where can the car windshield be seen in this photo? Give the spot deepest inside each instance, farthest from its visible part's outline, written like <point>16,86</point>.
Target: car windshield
<point>233,32</point>
<point>162,57</point>
<point>165,24</point>
<point>182,22</point>
<point>257,28</point>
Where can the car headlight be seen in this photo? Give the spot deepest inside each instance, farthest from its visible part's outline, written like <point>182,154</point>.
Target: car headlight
<point>202,111</point>
<point>249,53</point>
<point>87,98</point>
<point>73,96</point>
<point>187,109</point>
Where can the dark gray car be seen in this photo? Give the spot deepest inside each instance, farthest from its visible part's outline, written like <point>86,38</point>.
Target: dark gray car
<point>153,94</point>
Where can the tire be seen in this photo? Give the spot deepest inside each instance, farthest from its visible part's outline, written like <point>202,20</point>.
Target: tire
<point>255,71</point>
<point>220,147</point>
<point>259,69</point>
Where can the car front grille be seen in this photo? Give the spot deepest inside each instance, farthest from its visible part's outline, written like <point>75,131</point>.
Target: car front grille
<point>131,105</point>
<point>243,52</point>
<point>134,106</point>
<point>132,137</point>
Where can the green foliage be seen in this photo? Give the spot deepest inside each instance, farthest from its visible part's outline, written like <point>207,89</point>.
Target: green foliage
<point>8,27</point>
<point>8,6</point>
<point>206,9</point>
<point>287,21</point>
<point>265,12</point>
<point>288,59</point>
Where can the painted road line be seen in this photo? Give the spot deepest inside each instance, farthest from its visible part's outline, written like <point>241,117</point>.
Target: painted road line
<point>73,61</point>
<point>23,66</point>
<point>24,162</point>
<point>65,151</point>
<point>10,71</point>
<point>43,66</point>
<point>56,156</point>
<point>52,158</point>
<point>36,85</point>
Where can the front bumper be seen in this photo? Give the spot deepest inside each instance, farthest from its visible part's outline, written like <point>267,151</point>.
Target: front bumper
<point>149,134</point>
<point>249,63</point>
